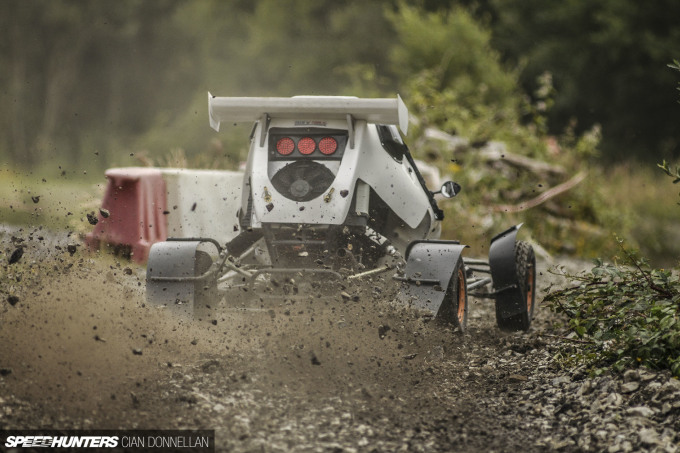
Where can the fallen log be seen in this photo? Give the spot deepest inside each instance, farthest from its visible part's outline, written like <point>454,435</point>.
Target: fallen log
<point>496,151</point>
<point>545,196</point>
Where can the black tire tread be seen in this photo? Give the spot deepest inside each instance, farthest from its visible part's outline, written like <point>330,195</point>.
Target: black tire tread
<point>524,258</point>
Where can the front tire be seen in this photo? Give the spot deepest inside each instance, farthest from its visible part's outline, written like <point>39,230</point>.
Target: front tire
<point>525,265</point>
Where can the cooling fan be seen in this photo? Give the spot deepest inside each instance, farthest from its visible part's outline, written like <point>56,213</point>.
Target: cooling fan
<point>303,180</point>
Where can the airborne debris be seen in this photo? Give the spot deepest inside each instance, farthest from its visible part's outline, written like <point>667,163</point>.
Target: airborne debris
<point>35,199</point>
<point>92,218</point>
<point>104,212</point>
<point>12,300</point>
<point>314,359</point>
<point>16,255</point>
<point>327,198</point>
<point>137,351</point>
<point>135,400</point>
<point>72,248</point>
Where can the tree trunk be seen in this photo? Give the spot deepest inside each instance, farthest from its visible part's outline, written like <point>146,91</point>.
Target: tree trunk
<point>61,77</point>
<point>19,149</point>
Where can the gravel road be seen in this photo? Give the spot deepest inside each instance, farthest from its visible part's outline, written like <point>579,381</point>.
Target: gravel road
<point>80,349</point>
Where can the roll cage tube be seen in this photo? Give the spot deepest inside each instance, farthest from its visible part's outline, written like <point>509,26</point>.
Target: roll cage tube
<point>397,149</point>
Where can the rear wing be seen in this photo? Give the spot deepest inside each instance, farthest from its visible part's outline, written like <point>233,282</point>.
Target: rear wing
<point>250,109</point>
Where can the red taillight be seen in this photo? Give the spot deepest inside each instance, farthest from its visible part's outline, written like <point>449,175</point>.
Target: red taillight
<point>306,145</point>
<point>285,146</point>
<point>328,145</point>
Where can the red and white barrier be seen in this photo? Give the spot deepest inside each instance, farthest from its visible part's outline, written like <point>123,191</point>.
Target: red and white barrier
<point>148,205</point>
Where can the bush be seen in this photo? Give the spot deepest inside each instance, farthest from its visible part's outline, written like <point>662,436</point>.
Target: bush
<point>455,83</point>
<point>626,315</point>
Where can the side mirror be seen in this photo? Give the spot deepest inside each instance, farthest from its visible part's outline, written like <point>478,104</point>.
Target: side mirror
<point>450,189</point>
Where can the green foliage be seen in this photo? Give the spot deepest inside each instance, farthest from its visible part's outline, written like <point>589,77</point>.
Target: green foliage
<point>627,315</point>
<point>458,84</point>
<point>90,85</point>
<point>675,65</point>
<point>115,77</point>
<point>453,79</point>
<point>673,173</point>
<point>455,52</point>
<point>608,58</point>
<point>86,76</point>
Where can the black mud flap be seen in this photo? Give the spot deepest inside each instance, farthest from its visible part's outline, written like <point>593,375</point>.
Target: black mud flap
<point>175,276</point>
<point>509,298</point>
<point>430,265</point>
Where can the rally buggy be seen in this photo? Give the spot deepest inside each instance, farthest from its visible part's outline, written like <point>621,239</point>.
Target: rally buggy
<point>331,193</point>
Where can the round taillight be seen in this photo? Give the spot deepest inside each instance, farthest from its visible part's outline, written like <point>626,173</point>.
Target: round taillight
<point>328,145</point>
<point>285,146</point>
<point>306,145</point>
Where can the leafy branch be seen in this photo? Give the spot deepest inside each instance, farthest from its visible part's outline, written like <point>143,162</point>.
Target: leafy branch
<point>673,173</point>
<point>626,315</point>
<point>675,65</point>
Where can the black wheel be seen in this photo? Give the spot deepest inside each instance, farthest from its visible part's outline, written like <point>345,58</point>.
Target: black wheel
<point>205,291</point>
<point>455,306</point>
<point>525,265</point>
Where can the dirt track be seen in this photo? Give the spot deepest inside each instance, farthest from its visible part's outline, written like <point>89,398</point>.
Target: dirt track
<point>80,349</point>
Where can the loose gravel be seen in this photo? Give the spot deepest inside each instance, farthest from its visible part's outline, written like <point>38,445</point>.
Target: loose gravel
<point>82,350</point>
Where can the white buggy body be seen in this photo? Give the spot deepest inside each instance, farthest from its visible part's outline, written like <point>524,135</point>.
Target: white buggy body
<point>335,189</point>
<point>330,190</point>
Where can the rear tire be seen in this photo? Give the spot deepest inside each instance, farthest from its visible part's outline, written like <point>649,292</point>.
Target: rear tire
<point>525,265</point>
<point>455,307</point>
<point>205,292</point>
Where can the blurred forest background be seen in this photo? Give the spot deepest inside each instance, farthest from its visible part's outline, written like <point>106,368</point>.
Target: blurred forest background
<point>582,86</point>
